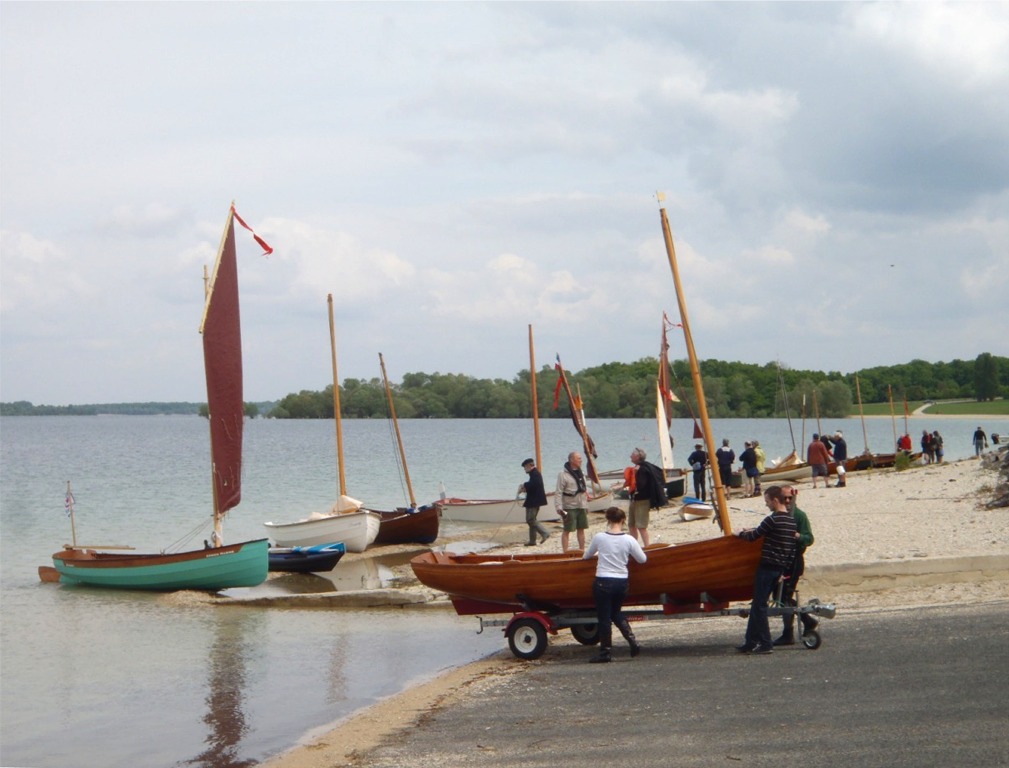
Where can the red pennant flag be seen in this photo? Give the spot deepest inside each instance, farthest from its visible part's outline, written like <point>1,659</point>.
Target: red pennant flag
<point>267,250</point>
<point>697,431</point>
<point>560,383</point>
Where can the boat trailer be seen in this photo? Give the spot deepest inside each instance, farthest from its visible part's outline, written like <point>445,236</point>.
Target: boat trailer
<point>528,630</point>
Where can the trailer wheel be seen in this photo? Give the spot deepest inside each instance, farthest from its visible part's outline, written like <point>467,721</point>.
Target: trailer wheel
<point>527,639</point>
<point>586,634</point>
<point>812,639</point>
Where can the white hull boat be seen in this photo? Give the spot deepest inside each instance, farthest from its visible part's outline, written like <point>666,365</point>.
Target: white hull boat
<point>357,530</point>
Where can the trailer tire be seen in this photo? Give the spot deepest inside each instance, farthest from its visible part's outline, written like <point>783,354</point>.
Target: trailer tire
<point>812,639</point>
<point>527,639</point>
<point>586,634</point>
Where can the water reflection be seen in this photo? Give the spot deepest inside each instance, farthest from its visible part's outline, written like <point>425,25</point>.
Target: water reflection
<point>225,716</point>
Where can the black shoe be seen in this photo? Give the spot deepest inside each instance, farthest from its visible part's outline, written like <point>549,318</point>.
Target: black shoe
<point>763,650</point>
<point>784,640</point>
<point>635,649</point>
<point>530,543</point>
<point>600,658</point>
<point>545,537</point>
<point>746,647</point>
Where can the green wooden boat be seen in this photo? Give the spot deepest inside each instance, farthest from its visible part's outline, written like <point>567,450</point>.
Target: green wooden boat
<point>216,566</point>
<point>213,568</point>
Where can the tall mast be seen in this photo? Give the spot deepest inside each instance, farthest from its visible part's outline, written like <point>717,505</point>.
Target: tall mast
<point>722,507</point>
<point>336,401</point>
<point>893,418</point>
<point>784,401</point>
<point>535,400</point>
<point>395,424</point>
<point>865,435</point>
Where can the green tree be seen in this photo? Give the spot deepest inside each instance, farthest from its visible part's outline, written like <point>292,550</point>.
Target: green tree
<point>986,383</point>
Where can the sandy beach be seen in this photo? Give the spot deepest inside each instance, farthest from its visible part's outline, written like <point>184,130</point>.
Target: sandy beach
<point>920,537</point>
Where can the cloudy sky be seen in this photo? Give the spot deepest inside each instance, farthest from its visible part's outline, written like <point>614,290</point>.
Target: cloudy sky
<point>837,178</point>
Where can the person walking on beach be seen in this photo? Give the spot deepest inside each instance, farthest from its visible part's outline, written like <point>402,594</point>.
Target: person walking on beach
<point>536,497</point>
<point>697,461</point>
<point>803,540</point>
<point>818,458</point>
<point>761,466</point>
<point>778,550</point>
<point>840,456</point>
<point>571,500</point>
<point>613,549</point>
<point>649,493</point>
<point>980,440</point>
<point>748,459</point>
<point>725,457</point>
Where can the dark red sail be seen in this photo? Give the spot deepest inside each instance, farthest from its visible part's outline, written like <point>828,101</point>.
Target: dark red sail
<point>222,354</point>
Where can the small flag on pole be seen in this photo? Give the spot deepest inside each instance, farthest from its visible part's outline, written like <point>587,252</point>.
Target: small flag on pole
<point>69,502</point>
<point>267,250</point>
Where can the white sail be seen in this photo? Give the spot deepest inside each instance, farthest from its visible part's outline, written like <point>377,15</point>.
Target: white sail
<point>665,446</point>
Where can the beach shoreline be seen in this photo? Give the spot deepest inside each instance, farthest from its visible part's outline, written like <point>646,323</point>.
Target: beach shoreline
<point>889,540</point>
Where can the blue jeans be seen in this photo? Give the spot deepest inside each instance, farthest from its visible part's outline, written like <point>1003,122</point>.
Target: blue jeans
<point>757,629</point>
<point>609,595</point>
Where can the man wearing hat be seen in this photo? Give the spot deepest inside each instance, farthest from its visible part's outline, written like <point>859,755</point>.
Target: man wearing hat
<point>536,497</point>
<point>697,461</point>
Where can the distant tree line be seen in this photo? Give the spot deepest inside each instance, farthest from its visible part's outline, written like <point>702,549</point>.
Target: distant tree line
<point>627,390</point>
<point>26,408</point>
<point>613,390</point>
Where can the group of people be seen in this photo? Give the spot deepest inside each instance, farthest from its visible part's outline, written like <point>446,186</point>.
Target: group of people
<point>823,450</point>
<point>644,481</point>
<point>752,465</point>
<point>786,535</point>
<point>931,446</point>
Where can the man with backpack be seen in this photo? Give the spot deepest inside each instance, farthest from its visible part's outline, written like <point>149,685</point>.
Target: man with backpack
<point>649,494</point>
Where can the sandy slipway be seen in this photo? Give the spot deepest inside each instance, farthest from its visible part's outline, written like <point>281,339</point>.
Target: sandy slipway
<point>918,570</point>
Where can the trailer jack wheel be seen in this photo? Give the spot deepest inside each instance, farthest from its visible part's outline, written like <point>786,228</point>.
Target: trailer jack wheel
<point>527,639</point>
<point>812,639</point>
<point>586,634</point>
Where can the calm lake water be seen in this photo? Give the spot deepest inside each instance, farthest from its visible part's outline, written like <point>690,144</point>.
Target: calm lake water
<point>103,678</point>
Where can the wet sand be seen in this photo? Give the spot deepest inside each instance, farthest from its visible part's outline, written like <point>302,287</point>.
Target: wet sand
<point>889,539</point>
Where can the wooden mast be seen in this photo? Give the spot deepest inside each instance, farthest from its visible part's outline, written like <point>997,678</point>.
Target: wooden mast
<point>893,418</point>
<point>784,402</point>
<point>399,438</point>
<point>336,404</point>
<point>816,409</point>
<point>861,413</point>
<point>535,401</point>
<point>722,505</point>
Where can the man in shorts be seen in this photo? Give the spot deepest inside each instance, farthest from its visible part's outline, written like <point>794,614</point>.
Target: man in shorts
<point>818,457</point>
<point>571,501</point>
<point>649,493</point>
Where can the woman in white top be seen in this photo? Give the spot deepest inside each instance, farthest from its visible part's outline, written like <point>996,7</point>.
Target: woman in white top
<point>614,548</point>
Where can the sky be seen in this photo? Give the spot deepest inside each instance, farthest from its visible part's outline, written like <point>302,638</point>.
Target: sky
<point>836,179</point>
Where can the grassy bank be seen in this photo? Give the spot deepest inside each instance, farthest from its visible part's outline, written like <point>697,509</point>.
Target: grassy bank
<point>944,408</point>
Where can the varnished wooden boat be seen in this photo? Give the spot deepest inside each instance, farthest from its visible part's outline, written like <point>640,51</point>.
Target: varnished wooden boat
<point>409,526</point>
<point>722,568</point>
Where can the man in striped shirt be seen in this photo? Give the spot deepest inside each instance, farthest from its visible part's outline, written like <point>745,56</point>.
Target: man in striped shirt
<point>778,530</point>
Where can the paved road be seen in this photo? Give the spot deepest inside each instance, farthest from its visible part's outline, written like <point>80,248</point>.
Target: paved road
<point>894,689</point>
